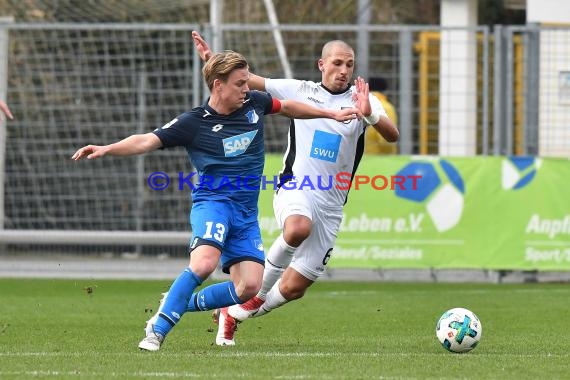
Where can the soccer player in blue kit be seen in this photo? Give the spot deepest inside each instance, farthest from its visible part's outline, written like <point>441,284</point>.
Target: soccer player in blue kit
<point>310,219</point>
<point>224,141</point>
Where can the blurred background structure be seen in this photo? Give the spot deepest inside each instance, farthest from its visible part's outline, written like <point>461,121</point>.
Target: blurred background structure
<point>467,77</point>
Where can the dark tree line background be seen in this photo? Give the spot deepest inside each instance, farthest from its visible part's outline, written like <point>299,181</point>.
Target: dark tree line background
<point>251,11</point>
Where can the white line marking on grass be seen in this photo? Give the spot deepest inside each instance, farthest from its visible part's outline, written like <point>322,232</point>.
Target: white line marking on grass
<point>159,375</point>
<point>38,373</point>
<point>272,354</point>
<point>101,374</point>
<point>238,354</point>
<point>164,374</point>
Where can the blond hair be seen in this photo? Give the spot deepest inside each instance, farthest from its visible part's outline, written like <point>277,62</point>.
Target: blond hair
<point>221,65</point>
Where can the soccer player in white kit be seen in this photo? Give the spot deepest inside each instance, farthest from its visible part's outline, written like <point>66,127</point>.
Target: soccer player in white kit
<point>319,150</point>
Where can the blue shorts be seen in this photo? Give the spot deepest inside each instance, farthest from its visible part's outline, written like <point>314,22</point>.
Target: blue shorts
<point>231,228</point>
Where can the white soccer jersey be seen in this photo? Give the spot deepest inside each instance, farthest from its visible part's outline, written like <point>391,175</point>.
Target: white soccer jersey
<point>322,153</point>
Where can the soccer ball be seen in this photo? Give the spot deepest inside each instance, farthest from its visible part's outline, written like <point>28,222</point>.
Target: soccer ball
<point>440,189</point>
<point>459,330</point>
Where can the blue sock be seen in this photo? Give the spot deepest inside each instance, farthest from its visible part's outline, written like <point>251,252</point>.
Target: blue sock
<point>213,297</point>
<point>175,303</point>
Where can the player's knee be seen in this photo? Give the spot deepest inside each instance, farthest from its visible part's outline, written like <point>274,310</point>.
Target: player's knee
<point>292,291</point>
<point>203,268</point>
<point>247,289</point>
<point>296,230</point>
<point>204,260</point>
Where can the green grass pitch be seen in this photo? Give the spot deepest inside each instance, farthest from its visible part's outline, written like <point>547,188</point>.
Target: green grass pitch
<point>90,329</point>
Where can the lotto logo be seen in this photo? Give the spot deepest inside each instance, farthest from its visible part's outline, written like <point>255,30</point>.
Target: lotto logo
<point>236,145</point>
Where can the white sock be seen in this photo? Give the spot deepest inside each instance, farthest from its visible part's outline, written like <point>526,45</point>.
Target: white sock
<point>273,300</point>
<point>277,260</point>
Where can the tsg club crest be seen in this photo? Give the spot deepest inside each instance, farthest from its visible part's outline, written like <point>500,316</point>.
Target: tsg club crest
<point>252,117</point>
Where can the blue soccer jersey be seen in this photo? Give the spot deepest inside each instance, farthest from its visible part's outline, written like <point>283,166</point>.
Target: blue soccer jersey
<point>226,150</point>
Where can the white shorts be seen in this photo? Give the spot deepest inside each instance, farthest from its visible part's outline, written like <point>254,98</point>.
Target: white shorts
<point>313,255</point>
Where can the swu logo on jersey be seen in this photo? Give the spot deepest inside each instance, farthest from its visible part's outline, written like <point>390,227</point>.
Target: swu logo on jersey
<point>325,146</point>
<point>252,117</point>
<point>236,145</point>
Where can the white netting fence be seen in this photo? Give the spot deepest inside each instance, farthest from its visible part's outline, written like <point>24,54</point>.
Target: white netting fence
<point>72,85</point>
<point>76,86</point>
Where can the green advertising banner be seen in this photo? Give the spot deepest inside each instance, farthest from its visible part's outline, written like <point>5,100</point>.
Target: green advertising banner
<point>432,212</point>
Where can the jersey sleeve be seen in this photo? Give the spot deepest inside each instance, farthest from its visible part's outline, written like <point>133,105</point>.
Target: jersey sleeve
<point>267,102</point>
<point>283,88</point>
<point>376,105</point>
<point>178,132</point>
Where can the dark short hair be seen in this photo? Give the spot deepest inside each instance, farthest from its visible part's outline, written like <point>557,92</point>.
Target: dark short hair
<point>378,84</point>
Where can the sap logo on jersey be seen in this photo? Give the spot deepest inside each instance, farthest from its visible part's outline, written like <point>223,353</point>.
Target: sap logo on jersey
<point>325,146</point>
<point>236,145</point>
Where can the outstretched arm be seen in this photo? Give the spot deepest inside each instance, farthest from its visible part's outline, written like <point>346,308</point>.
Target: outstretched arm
<point>297,110</point>
<point>202,46</point>
<point>130,146</point>
<point>6,110</point>
<point>255,82</point>
<point>380,123</point>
